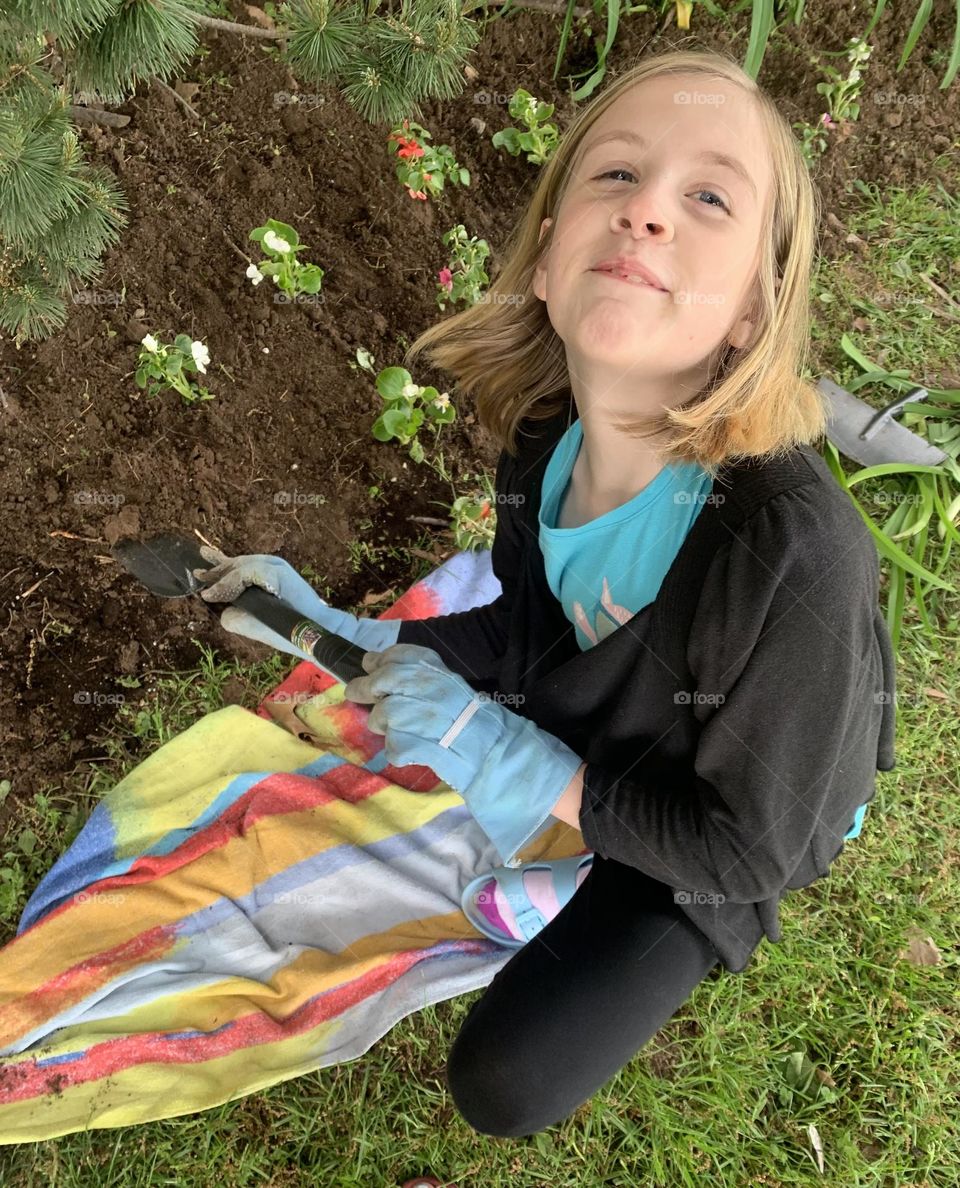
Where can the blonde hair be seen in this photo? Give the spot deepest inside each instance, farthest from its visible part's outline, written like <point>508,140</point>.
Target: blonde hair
<point>505,350</point>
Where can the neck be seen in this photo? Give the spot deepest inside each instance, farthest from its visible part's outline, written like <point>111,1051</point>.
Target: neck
<point>611,468</point>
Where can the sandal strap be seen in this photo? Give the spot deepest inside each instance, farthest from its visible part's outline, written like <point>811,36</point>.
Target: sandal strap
<point>530,920</point>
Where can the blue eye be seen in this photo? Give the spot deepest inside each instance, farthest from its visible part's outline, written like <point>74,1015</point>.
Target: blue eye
<point>718,198</point>
<point>710,192</point>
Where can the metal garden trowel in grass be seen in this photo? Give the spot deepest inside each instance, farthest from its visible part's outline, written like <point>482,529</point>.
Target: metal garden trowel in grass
<point>165,565</point>
<point>872,437</point>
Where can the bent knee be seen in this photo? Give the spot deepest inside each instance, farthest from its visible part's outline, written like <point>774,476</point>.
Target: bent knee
<point>494,1097</point>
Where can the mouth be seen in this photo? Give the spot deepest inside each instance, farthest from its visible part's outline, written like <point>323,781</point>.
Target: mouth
<point>631,278</point>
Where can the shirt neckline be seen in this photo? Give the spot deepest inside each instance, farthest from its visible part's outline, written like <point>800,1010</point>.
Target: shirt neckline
<point>670,475</point>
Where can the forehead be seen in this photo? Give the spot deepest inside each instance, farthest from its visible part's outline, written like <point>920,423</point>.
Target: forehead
<point>705,119</point>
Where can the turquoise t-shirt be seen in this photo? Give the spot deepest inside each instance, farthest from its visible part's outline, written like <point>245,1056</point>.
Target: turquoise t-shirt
<point>595,570</point>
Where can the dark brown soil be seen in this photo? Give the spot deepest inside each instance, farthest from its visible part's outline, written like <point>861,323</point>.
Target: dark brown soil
<point>87,457</point>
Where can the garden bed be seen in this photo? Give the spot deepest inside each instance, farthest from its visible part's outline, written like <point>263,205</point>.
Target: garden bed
<point>87,457</point>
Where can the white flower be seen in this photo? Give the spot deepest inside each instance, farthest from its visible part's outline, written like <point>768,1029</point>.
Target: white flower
<point>255,274</point>
<point>442,401</point>
<point>201,356</point>
<point>410,390</point>
<point>150,343</point>
<point>275,243</point>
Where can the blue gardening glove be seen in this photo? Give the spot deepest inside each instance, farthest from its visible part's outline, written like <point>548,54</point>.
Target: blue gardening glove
<point>230,576</point>
<point>509,771</point>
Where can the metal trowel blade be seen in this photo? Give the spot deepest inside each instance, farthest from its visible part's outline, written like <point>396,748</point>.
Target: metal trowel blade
<point>164,563</point>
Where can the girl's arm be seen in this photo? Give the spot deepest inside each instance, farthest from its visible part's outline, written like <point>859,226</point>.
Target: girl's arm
<point>785,633</point>
<point>567,808</point>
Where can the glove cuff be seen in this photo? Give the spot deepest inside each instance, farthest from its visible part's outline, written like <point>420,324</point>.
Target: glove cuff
<point>376,635</point>
<point>513,806</point>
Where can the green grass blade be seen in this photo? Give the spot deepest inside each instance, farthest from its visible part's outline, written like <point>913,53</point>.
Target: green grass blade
<point>883,468</point>
<point>877,14</point>
<point>761,22</point>
<point>918,26</point>
<point>613,23</point>
<point>564,36</point>
<point>954,64</point>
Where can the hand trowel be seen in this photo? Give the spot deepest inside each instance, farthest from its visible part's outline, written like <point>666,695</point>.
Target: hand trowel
<point>165,565</point>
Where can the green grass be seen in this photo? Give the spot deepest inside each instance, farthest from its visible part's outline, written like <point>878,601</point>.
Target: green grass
<point>905,323</point>
<point>714,1098</point>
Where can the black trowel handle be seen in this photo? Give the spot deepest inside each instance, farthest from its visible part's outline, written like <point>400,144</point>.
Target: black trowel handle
<point>329,650</point>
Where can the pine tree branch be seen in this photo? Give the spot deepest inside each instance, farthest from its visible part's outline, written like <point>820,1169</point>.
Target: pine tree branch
<point>179,98</point>
<point>557,6</point>
<point>105,119</point>
<point>536,5</point>
<point>234,27</point>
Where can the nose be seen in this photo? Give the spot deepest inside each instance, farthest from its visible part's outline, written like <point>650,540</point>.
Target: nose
<point>643,210</point>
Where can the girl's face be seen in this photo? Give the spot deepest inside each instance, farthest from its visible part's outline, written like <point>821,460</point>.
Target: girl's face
<point>643,186</point>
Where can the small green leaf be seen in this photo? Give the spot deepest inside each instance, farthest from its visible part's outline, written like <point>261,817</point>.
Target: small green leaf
<point>391,382</point>
<point>284,230</point>
<point>311,278</point>
<point>396,423</point>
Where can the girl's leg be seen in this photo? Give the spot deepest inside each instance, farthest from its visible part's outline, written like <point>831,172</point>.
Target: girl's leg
<point>576,1003</point>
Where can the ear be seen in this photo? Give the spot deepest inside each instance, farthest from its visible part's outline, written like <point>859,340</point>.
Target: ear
<point>540,271</point>
<point>741,334</point>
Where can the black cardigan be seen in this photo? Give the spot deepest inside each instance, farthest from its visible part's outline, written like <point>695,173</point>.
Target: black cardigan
<point>732,727</point>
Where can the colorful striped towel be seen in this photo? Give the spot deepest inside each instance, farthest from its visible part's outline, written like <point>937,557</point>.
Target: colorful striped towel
<point>245,906</point>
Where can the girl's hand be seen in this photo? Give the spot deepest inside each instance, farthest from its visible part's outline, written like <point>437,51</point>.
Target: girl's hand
<point>509,771</point>
<point>230,576</point>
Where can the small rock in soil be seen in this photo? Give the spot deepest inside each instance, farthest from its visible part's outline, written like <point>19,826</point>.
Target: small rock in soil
<point>125,523</point>
<point>128,657</point>
<point>135,331</point>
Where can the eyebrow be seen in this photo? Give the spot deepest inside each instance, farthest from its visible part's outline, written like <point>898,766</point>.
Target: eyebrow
<point>712,156</point>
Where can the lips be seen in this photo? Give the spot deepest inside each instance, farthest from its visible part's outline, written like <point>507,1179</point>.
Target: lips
<point>631,270</point>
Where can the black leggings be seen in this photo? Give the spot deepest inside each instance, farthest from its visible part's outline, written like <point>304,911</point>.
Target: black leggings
<point>576,1003</point>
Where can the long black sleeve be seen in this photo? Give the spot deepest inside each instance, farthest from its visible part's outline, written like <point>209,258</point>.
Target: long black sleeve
<point>783,642</point>
<point>472,642</point>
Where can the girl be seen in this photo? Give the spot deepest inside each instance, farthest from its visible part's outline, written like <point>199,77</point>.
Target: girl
<point>688,637</point>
